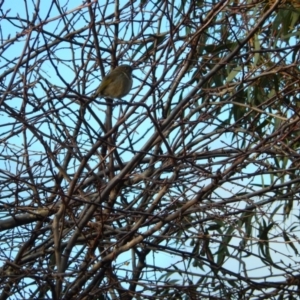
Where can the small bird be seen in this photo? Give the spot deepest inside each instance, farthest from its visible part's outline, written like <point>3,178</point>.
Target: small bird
<point>117,83</point>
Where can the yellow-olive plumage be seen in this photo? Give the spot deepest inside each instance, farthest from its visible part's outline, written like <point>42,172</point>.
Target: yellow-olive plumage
<point>117,83</point>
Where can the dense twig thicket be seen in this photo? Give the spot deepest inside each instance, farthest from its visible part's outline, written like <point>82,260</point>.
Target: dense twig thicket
<point>188,188</point>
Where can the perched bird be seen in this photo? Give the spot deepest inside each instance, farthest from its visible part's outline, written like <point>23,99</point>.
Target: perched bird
<point>117,83</point>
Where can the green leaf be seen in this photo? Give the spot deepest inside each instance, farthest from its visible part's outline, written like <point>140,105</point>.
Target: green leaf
<point>233,73</point>
<point>289,243</point>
